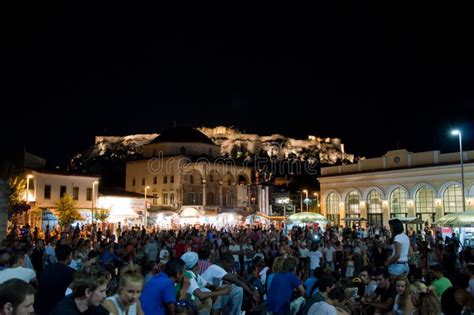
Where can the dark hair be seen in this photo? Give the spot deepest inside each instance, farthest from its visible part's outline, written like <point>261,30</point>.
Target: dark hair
<point>204,253</point>
<point>381,272</point>
<point>227,258</point>
<point>323,284</point>
<point>337,294</point>
<point>63,252</point>
<point>290,263</point>
<point>14,291</point>
<point>397,226</point>
<point>89,278</point>
<point>174,266</point>
<point>436,268</point>
<point>367,269</point>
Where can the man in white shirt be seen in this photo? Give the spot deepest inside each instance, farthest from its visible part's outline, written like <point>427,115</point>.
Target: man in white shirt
<point>151,249</point>
<point>329,251</point>
<point>234,249</point>
<point>16,271</point>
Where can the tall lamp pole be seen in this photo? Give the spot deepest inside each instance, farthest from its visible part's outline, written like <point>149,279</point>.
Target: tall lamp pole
<point>94,195</point>
<point>317,202</point>
<point>457,132</point>
<point>306,200</point>
<point>146,208</point>
<point>28,177</point>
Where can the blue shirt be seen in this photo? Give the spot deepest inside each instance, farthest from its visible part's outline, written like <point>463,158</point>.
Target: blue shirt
<point>281,291</point>
<point>308,284</point>
<point>157,292</point>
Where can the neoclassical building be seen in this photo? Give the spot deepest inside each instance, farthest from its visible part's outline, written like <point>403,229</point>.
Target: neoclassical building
<point>400,183</point>
<point>182,169</point>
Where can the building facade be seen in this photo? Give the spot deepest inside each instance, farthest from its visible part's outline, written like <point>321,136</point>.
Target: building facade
<point>182,169</point>
<point>400,183</point>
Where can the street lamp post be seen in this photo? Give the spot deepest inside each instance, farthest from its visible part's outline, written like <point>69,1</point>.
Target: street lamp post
<point>146,210</point>
<point>306,200</point>
<point>457,132</point>
<point>317,202</point>
<point>93,199</point>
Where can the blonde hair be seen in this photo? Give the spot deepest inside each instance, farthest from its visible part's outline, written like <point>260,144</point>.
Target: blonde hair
<point>130,274</point>
<point>278,264</point>
<point>406,295</point>
<point>428,303</point>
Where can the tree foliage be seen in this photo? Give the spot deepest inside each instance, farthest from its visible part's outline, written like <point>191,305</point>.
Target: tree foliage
<point>67,212</point>
<point>101,214</point>
<point>17,206</point>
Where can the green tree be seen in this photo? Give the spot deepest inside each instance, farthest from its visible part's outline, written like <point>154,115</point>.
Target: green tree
<point>101,214</point>
<point>16,206</point>
<point>67,211</point>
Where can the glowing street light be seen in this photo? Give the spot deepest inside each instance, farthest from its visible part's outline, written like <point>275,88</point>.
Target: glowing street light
<point>317,202</point>
<point>28,177</point>
<point>306,200</point>
<point>457,132</point>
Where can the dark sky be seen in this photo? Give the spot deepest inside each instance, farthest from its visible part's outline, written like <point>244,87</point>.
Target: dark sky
<point>371,76</point>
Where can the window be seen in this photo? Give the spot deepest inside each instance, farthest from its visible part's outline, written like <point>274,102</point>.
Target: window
<point>155,180</point>
<point>62,191</point>
<point>172,179</point>
<point>143,181</point>
<point>89,194</point>
<point>155,199</point>
<point>398,203</point>
<point>165,198</point>
<point>191,179</point>
<point>374,202</point>
<point>332,208</point>
<point>75,193</point>
<point>352,207</point>
<point>165,179</point>
<point>133,181</point>
<point>452,199</point>
<point>424,201</point>
<point>47,192</point>
<point>172,199</point>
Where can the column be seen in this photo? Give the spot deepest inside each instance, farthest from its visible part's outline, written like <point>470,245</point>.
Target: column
<point>221,199</point>
<point>204,192</point>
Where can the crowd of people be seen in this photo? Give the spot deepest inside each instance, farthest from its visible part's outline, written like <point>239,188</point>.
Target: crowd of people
<point>235,270</point>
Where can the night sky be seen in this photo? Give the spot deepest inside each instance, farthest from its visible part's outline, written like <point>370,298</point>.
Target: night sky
<point>371,76</point>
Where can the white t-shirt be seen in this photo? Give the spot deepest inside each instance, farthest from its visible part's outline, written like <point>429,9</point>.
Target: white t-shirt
<point>404,241</point>
<point>315,258</point>
<point>22,273</point>
<point>214,275</point>
<point>196,282</point>
<point>151,249</point>
<point>328,253</point>
<point>322,308</point>
<point>235,248</point>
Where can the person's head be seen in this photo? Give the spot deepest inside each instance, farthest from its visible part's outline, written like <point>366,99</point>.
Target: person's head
<point>90,284</point>
<point>174,268</point>
<point>424,301</point>
<point>325,284</point>
<point>17,259</point>
<point>402,285</point>
<point>436,271</point>
<point>190,260</point>
<point>278,264</point>
<point>290,263</point>
<point>227,261</point>
<point>16,297</point>
<point>382,277</point>
<point>396,227</point>
<point>130,285</point>
<point>336,295</point>
<point>64,253</point>
<point>365,274</point>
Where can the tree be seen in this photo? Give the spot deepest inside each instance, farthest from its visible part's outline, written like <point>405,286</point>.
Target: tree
<point>101,214</point>
<point>67,211</point>
<point>16,206</point>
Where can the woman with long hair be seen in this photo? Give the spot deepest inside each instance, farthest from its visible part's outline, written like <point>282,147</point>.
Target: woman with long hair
<point>398,262</point>
<point>126,301</point>
<point>424,301</point>
<point>402,304</point>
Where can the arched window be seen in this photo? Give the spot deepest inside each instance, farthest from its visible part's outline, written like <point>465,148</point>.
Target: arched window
<point>352,207</point>
<point>424,204</point>
<point>452,199</point>
<point>398,203</point>
<point>210,198</point>
<point>374,208</point>
<point>190,198</point>
<point>332,208</point>
<point>374,202</point>
<point>171,199</point>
